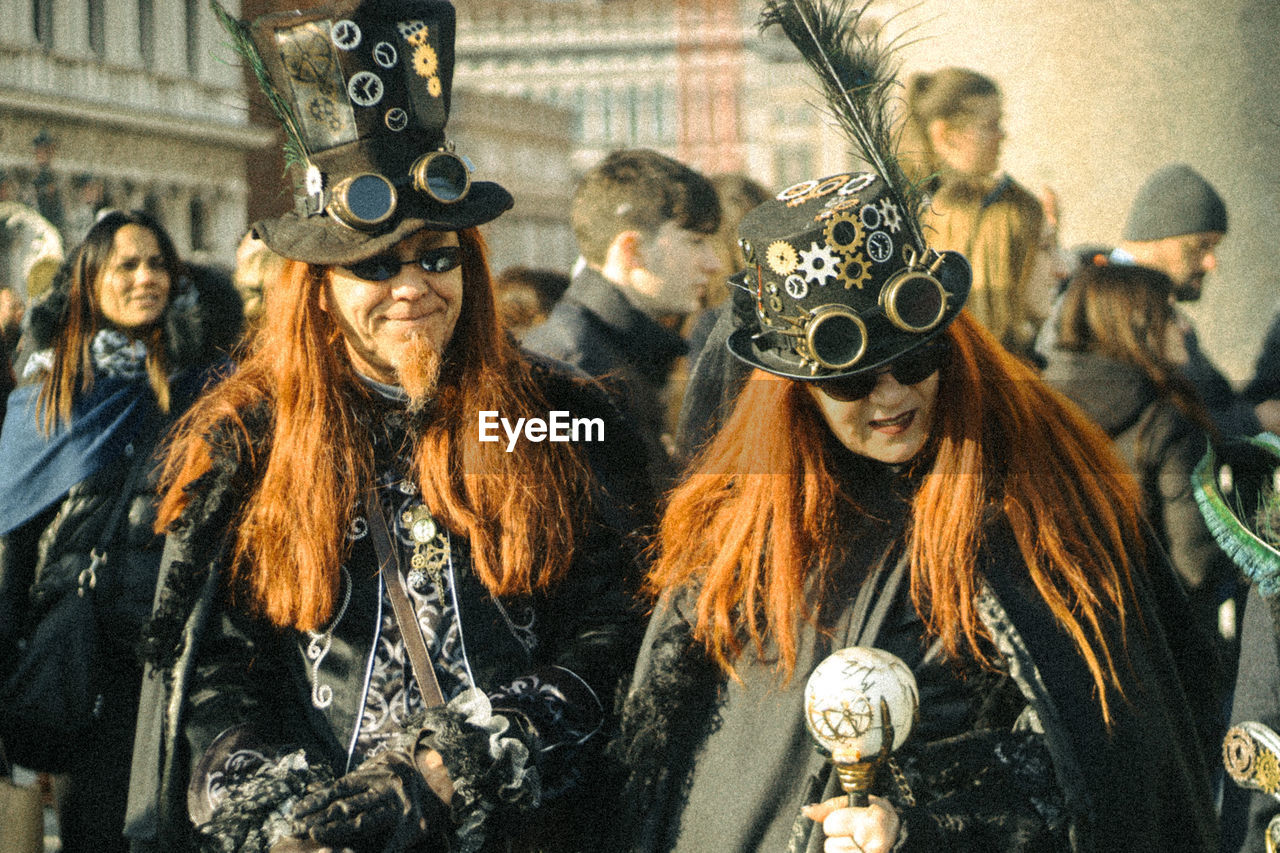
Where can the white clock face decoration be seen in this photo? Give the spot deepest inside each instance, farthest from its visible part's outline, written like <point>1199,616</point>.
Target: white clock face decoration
<point>842,702</point>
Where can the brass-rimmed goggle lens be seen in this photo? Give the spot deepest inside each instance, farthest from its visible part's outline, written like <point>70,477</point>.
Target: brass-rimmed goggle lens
<point>837,336</point>
<point>442,175</point>
<point>914,301</point>
<point>362,201</point>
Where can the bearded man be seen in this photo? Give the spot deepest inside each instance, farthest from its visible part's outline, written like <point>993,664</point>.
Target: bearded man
<point>375,629</point>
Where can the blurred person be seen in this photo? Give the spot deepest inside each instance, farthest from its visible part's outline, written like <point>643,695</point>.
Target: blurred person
<point>12,309</point>
<point>377,628</point>
<point>953,132</point>
<point>1119,356</point>
<point>88,200</point>
<point>707,364</point>
<point>48,191</point>
<point>645,227</point>
<point>1175,225</point>
<point>255,265</point>
<point>526,296</point>
<point>122,344</point>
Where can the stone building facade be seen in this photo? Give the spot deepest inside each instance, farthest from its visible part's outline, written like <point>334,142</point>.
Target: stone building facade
<point>123,103</point>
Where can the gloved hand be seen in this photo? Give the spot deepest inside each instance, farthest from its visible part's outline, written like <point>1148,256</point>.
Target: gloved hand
<point>385,804</point>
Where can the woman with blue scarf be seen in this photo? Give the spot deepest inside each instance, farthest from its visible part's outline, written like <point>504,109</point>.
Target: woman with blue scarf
<point>119,348</point>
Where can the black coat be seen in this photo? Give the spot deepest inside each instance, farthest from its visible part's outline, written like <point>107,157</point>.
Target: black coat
<point>1245,814</point>
<point>718,765</point>
<point>594,328</point>
<point>201,324</point>
<point>1161,447</point>
<point>221,676</point>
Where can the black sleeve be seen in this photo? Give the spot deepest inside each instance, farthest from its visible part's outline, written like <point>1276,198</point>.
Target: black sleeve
<point>1265,384</point>
<point>252,755</point>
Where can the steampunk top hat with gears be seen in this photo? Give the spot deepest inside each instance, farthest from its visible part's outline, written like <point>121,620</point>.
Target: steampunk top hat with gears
<point>840,284</point>
<point>362,89</point>
<point>840,279</point>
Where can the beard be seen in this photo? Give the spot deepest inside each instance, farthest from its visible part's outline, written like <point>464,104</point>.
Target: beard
<point>419,372</point>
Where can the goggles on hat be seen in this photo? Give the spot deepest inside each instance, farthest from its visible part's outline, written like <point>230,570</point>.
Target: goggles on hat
<point>368,199</point>
<point>384,267</point>
<point>835,335</point>
<point>910,369</point>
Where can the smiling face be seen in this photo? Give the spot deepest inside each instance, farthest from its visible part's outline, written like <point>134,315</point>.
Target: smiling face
<point>387,324</point>
<point>133,286</point>
<point>890,425</point>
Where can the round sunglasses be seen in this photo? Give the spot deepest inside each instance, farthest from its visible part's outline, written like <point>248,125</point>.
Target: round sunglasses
<point>441,259</point>
<point>910,369</point>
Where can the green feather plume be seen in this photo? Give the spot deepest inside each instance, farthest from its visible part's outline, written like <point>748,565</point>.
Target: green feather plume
<point>295,150</point>
<point>858,75</point>
<point>1233,524</point>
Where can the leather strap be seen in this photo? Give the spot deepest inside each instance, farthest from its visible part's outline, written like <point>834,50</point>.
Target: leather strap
<point>389,564</point>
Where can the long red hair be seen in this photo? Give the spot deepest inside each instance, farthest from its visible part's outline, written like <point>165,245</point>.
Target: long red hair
<point>755,517</point>
<point>518,510</point>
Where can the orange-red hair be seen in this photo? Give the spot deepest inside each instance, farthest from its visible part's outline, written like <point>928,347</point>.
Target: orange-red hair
<point>518,510</point>
<point>756,516</point>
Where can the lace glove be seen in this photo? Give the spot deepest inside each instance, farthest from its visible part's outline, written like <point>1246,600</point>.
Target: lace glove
<point>383,805</point>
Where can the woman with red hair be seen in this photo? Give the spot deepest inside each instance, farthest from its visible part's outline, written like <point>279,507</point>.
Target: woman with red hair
<point>379,628</point>
<point>891,477</point>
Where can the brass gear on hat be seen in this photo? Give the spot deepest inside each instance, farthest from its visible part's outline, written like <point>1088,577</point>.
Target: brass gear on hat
<point>855,271</point>
<point>781,257</point>
<point>433,87</point>
<point>425,61</point>
<point>844,232</point>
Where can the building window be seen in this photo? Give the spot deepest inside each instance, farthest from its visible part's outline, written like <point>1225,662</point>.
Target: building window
<point>94,14</point>
<point>146,32</point>
<point>199,226</point>
<point>151,204</point>
<point>193,37</point>
<point>580,114</point>
<point>42,22</point>
<point>605,97</point>
<point>633,114</point>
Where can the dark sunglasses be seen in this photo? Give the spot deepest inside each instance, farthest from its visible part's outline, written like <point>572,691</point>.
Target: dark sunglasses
<point>912,368</point>
<point>383,267</point>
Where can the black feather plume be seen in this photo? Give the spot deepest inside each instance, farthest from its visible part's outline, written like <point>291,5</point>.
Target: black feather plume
<point>295,149</point>
<point>858,77</point>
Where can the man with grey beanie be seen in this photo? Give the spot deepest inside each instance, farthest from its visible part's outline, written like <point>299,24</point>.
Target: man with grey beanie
<point>1174,226</point>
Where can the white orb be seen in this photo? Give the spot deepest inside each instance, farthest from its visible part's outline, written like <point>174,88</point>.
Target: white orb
<point>842,702</point>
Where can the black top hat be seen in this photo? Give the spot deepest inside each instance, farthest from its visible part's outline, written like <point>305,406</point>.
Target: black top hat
<point>839,285</point>
<point>362,90</point>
